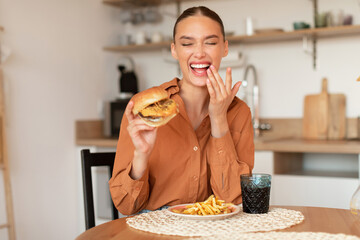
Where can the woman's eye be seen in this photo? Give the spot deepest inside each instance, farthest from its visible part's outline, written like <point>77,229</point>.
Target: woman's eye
<point>211,43</point>
<point>186,44</point>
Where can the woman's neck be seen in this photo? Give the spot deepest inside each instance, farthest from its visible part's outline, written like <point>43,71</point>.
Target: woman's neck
<point>196,100</point>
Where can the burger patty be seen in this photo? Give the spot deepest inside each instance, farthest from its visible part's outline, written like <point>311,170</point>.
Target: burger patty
<point>162,108</point>
<point>151,118</point>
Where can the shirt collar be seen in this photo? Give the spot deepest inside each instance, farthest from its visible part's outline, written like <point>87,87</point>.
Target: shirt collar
<point>172,87</point>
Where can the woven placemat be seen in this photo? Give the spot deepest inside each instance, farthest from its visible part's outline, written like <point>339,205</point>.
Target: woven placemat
<point>162,222</point>
<point>282,236</point>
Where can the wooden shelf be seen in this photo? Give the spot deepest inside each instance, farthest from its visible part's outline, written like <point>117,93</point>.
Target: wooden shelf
<point>256,38</point>
<point>139,48</point>
<point>297,34</point>
<point>139,3</point>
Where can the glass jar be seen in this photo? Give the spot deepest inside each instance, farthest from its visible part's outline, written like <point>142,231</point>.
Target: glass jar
<point>355,203</point>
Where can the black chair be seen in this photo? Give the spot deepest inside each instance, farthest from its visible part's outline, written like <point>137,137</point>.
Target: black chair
<point>89,160</point>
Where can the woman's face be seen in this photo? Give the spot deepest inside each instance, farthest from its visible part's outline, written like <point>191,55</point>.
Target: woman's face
<point>199,43</point>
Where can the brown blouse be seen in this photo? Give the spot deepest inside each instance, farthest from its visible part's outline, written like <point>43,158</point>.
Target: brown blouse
<point>186,165</point>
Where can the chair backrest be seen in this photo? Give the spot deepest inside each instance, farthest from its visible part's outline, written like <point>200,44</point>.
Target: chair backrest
<point>89,160</point>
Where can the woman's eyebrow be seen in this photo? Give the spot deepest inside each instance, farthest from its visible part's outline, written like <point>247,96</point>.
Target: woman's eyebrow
<point>212,36</point>
<point>191,38</point>
<point>186,38</point>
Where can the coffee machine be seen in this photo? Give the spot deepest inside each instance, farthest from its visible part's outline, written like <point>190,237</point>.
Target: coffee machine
<point>128,86</point>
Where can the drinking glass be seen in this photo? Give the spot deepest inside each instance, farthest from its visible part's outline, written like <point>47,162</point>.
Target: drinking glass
<point>255,190</point>
<point>355,203</point>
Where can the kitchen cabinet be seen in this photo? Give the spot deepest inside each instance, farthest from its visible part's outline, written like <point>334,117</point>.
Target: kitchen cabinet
<point>313,191</point>
<point>305,189</point>
<point>264,164</point>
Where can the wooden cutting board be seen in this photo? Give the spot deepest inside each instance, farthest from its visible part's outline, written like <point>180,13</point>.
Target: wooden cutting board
<point>324,115</point>
<point>316,114</point>
<point>337,116</point>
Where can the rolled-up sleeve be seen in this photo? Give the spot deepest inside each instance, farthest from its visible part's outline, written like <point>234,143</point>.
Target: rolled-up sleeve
<point>129,195</point>
<point>230,156</point>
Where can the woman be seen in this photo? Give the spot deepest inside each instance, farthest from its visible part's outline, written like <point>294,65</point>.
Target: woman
<point>206,147</point>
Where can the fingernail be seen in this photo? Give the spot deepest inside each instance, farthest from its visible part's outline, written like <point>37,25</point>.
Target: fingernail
<point>212,67</point>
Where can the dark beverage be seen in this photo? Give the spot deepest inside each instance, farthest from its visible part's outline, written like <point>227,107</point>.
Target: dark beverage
<point>255,192</point>
<point>255,199</point>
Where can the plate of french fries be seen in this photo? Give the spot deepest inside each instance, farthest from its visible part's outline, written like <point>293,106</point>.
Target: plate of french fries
<point>210,209</point>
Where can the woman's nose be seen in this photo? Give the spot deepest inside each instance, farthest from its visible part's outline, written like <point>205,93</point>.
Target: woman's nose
<point>199,51</point>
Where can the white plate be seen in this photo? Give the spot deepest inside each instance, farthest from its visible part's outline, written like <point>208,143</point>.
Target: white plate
<point>234,210</point>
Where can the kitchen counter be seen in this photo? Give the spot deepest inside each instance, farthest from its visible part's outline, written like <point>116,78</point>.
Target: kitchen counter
<point>275,145</point>
<point>308,146</point>
<point>97,142</point>
<point>286,137</point>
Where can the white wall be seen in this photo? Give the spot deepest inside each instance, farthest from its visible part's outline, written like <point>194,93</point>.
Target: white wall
<point>54,76</point>
<point>58,73</point>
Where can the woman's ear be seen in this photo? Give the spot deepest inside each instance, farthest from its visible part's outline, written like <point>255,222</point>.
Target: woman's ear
<point>226,49</point>
<point>173,51</point>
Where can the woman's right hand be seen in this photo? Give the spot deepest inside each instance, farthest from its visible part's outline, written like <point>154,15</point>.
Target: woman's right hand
<point>142,135</point>
<point>143,138</point>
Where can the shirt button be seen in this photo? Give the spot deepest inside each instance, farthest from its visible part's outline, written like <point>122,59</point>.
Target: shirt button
<point>195,148</point>
<point>195,178</point>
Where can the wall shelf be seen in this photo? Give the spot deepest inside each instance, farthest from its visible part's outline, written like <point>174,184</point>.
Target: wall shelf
<point>298,34</point>
<point>256,38</point>
<point>139,3</point>
<point>139,48</point>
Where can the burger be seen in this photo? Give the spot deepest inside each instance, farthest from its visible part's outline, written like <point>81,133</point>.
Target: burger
<point>154,106</point>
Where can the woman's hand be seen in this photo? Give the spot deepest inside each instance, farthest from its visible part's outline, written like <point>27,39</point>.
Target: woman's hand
<point>143,138</point>
<point>221,95</point>
<point>142,135</point>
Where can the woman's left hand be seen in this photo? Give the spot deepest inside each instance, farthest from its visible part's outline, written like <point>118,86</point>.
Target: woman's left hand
<point>221,95</point>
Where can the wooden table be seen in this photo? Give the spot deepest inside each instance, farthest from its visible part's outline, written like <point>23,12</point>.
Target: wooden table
<point>317,219</point>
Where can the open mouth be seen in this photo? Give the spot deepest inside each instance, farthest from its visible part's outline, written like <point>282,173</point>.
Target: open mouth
<point>200,69</point>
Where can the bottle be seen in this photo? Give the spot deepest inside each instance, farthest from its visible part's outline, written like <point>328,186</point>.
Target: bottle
<point>355,203</point>
<point>249,26</point>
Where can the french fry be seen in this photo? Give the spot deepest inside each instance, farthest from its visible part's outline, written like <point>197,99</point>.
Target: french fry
<point>211,206</point>
<point>201,209</point>
<point>207,209</point>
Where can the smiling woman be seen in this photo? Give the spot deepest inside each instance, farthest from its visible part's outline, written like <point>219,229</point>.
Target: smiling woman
<point>205,148</point>
<point>198,43</point>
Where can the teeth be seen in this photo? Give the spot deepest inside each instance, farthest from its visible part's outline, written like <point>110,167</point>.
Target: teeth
<point>200,65</point>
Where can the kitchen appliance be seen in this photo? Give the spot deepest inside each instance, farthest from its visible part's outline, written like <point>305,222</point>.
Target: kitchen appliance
<point>128,80</point>
<point>115,109</point>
